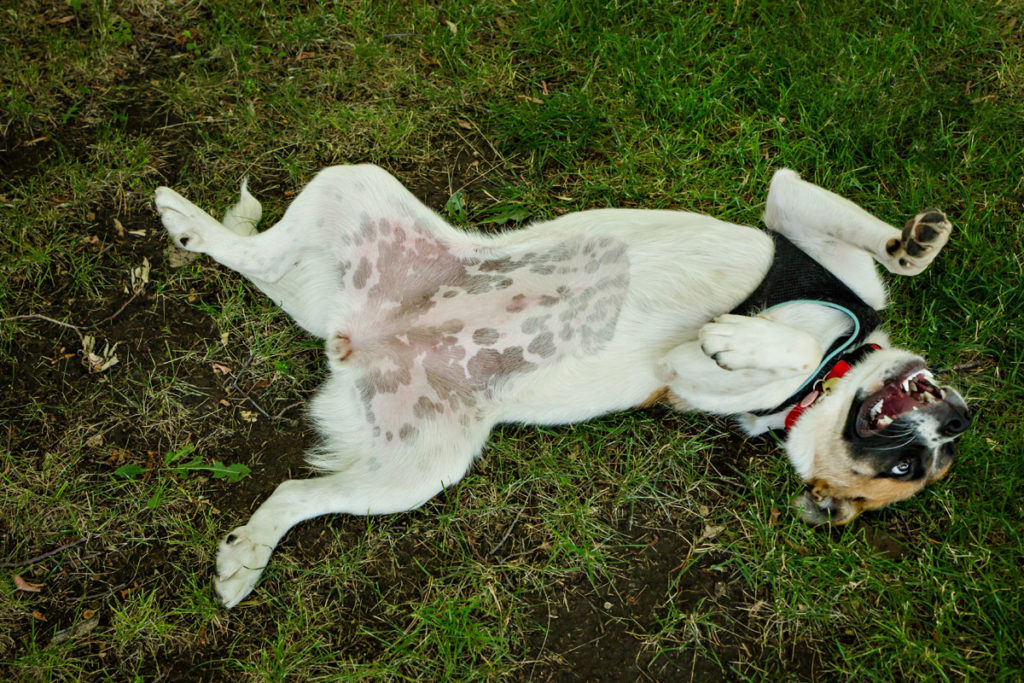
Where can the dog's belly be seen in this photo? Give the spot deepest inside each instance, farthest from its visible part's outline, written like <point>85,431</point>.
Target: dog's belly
<point>438,329</point>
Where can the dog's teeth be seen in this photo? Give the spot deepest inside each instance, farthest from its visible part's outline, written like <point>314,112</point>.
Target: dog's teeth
<point>877,408</point>
<point>884,421</point>
<point>906,386</point>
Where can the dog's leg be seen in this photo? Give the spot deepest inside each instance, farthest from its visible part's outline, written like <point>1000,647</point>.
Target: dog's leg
<point>738,365</point>
<point>300,279</point>
<point>815,219</point>
<point>359,490</point>
<point>243,217</point>
<point>739,342</point>
<point>265,256</point>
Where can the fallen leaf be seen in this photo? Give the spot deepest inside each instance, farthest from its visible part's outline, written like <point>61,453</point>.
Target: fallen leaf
<point>140,276</point>
<point>221,369</point>
<point>304,55</point>
<point>119,228</point>
<point>452,27</point>
<point>97,362</point>
<point>34,142</point>
<point>176,258</point>
<point>711,531</point>
<point>224,402</point>
<point>529,99</point>
<point>248,415</point>
<point>137,233</point>
<point>88,614</point>
<point>94,242</point>
<point>38,616</point>
<point>464,124</point>
<point>94,441</point>
<point>61,20</point>
<point>224,338</point>
<point>27,586</point>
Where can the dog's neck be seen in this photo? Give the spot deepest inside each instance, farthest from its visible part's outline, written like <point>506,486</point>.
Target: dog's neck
<point>827,376</point>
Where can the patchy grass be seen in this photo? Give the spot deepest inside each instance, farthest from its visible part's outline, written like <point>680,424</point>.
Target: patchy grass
<point>644,545</point>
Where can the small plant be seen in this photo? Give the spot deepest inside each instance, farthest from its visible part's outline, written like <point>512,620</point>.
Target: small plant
<point>217,470</point>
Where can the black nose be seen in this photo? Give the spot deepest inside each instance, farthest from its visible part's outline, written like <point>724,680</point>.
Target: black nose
<point>957,421</point>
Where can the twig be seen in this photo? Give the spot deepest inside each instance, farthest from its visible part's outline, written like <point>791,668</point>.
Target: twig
<point>287,408</point>
<point>969,365</point>
<point>508,532</point>
<point>78,330</point>
<point>238,375</point>
<point>124,306</point>
<point>40,558</point>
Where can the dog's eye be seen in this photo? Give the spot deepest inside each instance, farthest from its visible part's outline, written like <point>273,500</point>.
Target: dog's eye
<point>900,468</point>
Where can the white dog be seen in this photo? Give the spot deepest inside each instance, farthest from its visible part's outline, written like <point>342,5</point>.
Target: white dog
<point>435,334</point>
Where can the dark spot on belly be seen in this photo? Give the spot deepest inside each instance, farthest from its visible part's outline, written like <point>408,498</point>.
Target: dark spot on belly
<point>543,345</point>
<point>485,336</point>
<point>362,273</point>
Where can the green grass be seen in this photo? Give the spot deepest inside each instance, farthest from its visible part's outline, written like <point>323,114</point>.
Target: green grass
<point>639,545</point>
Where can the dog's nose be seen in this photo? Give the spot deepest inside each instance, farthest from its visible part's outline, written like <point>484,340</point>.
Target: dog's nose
<point>958,417</point>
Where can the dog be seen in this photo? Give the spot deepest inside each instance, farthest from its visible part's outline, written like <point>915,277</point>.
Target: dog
<point>434,335</point>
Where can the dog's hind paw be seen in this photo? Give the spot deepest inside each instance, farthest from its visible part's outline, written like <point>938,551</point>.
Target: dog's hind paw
<point>241,559</point>
<point>923,238</point>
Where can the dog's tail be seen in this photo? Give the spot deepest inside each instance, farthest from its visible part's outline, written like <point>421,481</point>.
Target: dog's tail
<point>242,218</point>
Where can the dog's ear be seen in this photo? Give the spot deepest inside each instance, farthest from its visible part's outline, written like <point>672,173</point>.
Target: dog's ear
<point>818,505</point>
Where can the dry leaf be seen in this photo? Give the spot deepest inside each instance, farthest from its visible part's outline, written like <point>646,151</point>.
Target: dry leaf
<point>452,27</point>
<point>98,362</point>
<point>94,242</point>
<point>176,258</point>
<point>221,369</point>
<point>94,441</point>
<point>27,586</point>
<point>224,338</point>
<point>304,55</point>
<point>38,616</point>
<point>137,233</point>
<point>464,124</point>
<point>61,20</point>
<point>711,532</point>
<point>248,415</point>
<point>140,276</point>
<point>529,99</point>
<point>119,228</point>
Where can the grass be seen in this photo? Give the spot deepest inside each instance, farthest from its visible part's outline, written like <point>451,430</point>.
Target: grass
<point>644,545</point>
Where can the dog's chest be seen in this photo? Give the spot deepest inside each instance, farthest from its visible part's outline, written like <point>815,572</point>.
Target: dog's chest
<point>438,325</point>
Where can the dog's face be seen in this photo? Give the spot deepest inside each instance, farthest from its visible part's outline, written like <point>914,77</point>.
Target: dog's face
<point>884,432</point>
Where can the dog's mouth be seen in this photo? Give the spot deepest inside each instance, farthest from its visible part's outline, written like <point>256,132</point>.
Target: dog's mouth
<point>911,389</point>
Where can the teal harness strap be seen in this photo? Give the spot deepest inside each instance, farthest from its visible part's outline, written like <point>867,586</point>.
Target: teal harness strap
<point>836,349</point>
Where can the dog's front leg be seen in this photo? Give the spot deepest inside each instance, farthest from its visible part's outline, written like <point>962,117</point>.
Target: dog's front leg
<point>815,219</point>
<point>740,364</point>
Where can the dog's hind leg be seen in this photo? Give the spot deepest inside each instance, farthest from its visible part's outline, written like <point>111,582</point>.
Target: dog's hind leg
<point>380,481</point>
<point>285,262</point>
<point>841,235</point>
<point>243,217</point>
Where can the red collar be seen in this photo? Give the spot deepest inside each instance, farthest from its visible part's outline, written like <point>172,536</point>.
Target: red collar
<point>820,388</point>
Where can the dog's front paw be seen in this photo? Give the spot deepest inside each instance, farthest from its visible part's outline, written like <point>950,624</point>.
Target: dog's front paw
<point>923,238</point>
<point>739,342</point>
<point>241,559</point>
<point>180,217</point>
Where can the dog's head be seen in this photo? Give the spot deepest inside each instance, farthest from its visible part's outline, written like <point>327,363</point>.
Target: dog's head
<point>885,430</point>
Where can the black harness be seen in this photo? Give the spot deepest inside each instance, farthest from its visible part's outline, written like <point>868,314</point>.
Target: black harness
<point>796,277</point>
